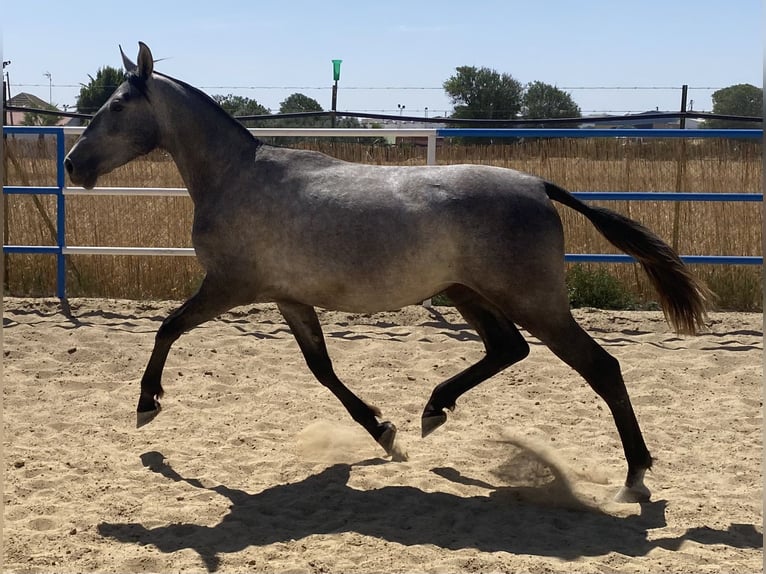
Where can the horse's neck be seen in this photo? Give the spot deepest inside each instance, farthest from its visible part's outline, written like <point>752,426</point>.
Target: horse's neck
<point>203,142</point>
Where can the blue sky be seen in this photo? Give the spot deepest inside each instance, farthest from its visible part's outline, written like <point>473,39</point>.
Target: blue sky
<point>268,50</point>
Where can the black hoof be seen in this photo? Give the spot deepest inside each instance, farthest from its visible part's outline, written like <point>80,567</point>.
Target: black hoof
<point>387,437</point>
<point>634,490</point>
<point>636,494</point>
<point>145,417</point>
<point>432,421</point>
<point>388,441</point>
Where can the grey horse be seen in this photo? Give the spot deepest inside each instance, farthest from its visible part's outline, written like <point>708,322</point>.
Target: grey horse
<point>305,230</point>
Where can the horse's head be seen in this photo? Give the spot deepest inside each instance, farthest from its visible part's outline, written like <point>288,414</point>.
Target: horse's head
<point>124,128</point>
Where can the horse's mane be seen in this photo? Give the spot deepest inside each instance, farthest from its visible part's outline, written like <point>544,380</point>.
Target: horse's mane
<point>224,115</point>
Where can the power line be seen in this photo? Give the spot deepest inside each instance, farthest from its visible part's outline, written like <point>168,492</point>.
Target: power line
<point>328,87</point>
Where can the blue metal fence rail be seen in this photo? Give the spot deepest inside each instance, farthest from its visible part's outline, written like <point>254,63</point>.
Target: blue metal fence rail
<point>59,190</point>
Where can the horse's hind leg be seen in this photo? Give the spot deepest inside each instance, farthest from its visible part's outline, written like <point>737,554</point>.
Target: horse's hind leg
<point>559,331</point>
<point>503,343</point>
<point>305,326</point>
<point>208,302</point>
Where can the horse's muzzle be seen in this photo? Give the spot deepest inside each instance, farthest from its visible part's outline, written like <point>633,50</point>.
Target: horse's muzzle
<point>68,166</point>
<point>78,176</point>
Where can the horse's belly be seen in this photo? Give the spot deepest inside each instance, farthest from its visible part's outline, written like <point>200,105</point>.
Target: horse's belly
<point>359,290</point>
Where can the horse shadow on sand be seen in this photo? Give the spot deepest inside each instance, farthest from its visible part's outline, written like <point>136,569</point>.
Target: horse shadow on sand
<point>543,518</point>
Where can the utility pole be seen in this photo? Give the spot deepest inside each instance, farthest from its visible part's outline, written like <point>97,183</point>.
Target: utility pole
<point>684,95</point>
<point>6,226</point>
<point>335,77</point>
<point>50,87</point>
<point>680,170</point>
<point>6,90</point>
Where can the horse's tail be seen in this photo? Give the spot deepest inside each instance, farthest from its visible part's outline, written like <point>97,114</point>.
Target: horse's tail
<point>683,298</point>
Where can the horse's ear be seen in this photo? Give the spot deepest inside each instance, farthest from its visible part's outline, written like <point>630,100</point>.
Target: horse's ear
<point>127,63</point>
<point>145,61</point>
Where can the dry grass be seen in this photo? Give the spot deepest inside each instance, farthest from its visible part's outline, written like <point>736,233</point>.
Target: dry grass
<point>576,164</point>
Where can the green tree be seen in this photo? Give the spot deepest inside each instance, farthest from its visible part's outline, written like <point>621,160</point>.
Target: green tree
<point>542,100</point>
<point>300,103</point>
<point>737,100</point>
<point>241,106</point>
<point>483,93</point>
<point>94,94</point>
<point>35,119</point>
<point>296,103</point>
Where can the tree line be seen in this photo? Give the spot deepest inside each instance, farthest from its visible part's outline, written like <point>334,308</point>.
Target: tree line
<point>475,93</point>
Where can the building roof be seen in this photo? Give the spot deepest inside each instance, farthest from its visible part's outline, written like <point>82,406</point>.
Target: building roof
<point>26,100</point>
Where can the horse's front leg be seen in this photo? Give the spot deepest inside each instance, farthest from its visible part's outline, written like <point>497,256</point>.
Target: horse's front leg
<point>304,325</point>
<point>208,302</point>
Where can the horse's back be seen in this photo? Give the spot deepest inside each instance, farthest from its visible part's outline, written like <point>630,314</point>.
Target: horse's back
<point>460,205</point>
<point>323,177</point>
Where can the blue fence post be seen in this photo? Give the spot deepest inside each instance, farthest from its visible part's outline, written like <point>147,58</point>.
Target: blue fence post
<point>60,215</point>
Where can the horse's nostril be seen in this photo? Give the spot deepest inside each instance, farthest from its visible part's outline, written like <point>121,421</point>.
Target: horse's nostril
<point>68,165</point>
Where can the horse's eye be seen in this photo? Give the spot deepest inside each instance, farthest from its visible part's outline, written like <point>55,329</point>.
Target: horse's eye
<point>116,106</point>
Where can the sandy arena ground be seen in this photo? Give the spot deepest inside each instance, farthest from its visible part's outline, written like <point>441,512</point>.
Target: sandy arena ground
<point>254,467</point>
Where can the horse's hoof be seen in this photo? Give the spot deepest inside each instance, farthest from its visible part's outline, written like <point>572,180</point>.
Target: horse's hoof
<point>388,441</point>
<point>634,490</point>
<point>145,417</point>
<point>633,494</point>
<point>387,437</point>
<point>429,423</point>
